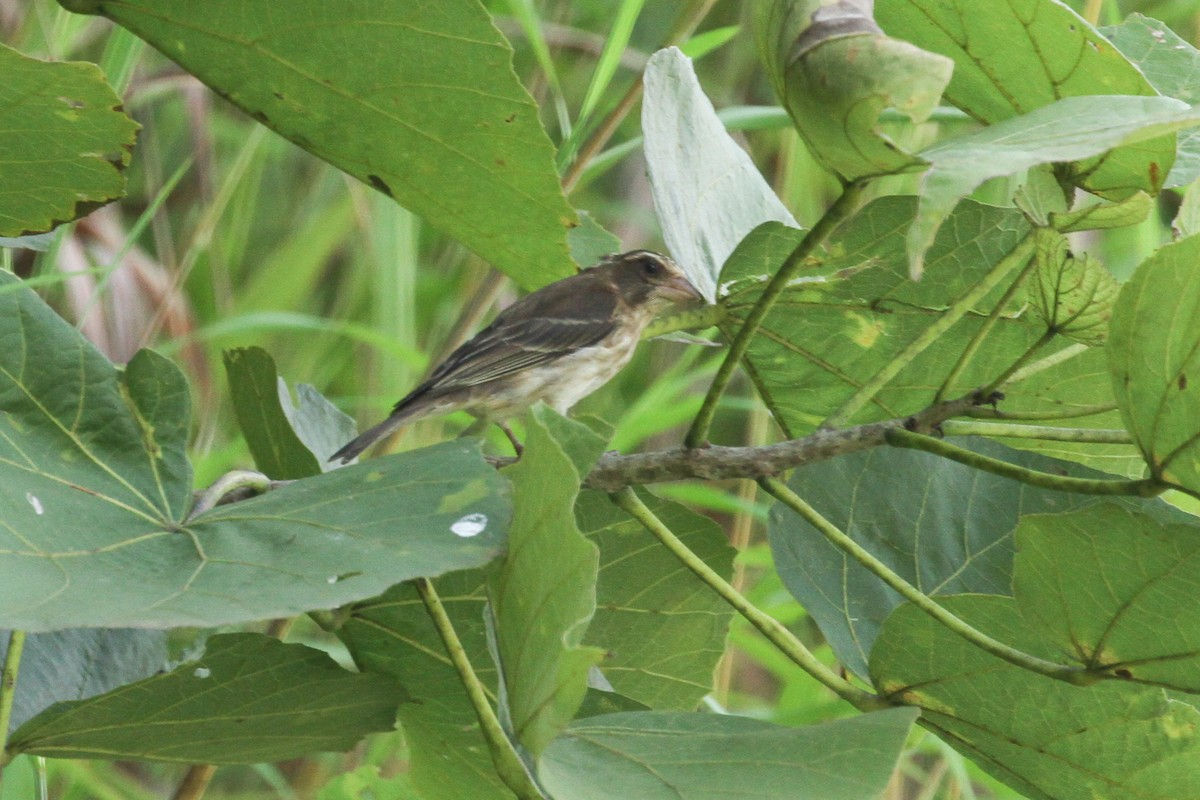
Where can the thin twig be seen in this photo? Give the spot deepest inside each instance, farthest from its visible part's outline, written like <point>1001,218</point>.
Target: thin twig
<point>1048,433</point>
<point>8,689</point>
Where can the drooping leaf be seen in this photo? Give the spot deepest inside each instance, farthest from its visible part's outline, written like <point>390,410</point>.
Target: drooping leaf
<point>1113,590</point>
<point>1073,295</point>
<point>836,72</point>
<point>249,698</point>
<point>95,486</point>
<point>1046,738</point>
<point>80,663</point>
<point>1154,356</point>
<point>1169,63</point>
<point>75,161</point>
<point>944,527</point>
<point>429,112</point>
<point>1070,129</point>
<point>1012,57</point>
<point>652,755</point>
<point>254,389</point>
<point>1099,216</point>
<point>662,630</point>
<point>707,191</point>
<point>543,593</point>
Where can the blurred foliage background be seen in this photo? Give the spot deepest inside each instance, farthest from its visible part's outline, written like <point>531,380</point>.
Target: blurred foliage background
<point>231,236</point>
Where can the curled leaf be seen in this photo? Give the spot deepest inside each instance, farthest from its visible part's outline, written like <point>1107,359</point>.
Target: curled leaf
<point>1074,295</point>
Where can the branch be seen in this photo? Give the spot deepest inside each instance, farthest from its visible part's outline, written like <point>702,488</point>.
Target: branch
<point>8,689</point>
<point>1046,433</point>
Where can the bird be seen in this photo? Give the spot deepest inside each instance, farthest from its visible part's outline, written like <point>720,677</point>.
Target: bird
<point>557,344</point>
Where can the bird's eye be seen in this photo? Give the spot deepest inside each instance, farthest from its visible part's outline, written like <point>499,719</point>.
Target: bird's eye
<point>650,267</point>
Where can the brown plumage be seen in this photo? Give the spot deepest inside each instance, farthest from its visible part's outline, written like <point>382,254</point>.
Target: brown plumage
<point>557,345</point>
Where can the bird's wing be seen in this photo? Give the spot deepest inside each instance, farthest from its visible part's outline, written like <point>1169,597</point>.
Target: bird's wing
<point>504,349</point>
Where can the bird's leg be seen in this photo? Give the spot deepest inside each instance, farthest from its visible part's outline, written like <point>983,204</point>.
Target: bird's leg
<point>518,448</point>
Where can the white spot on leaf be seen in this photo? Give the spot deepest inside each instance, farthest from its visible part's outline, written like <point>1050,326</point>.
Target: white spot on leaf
<point>202,672</point>
<point>37,504</point>
<point>470,525</point>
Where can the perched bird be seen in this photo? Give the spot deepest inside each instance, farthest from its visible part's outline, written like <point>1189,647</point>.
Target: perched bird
<point>558,345</point>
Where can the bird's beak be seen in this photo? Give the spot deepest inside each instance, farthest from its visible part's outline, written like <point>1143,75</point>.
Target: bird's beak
<point>680,290</point>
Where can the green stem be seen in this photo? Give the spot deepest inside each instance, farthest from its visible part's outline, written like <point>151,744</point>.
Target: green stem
<point>228,483</point>
<point>898,437</point>
<point>692,319</point>
<point>959,309</point>
<point>770,627</point>
<point>986,328</point>
<point>1050,433</point>
<point>1072,412</point>
<point>841,209</point>
<point>505,759</point>
<point>837,538</point>
<point>8,689</point>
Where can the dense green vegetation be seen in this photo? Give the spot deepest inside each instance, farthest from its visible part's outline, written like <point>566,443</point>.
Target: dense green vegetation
<point>950,256</point>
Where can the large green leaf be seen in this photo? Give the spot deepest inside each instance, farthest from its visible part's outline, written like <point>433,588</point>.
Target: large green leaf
<point>64,139</point>
<point>1049,739</point>
<point>673,756</point>
<point>419,100</point>
<point>1012,57</point>
<point>1170,64</point>
<point>543,593</point>
<point>1136,610</point>
<point>836,72</point>
<point>1154,355</point>
<point>662,630</point>
<point>855,308</point>
<point>95,487</point>
<point>707,191</point>
<point>1067,130</point>
<point>249,698</point>
<point>394,636</point>
<point>942,526</point>
<point>80,663</point>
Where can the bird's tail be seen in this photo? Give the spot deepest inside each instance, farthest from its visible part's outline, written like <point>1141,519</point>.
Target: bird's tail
<point>370,436</point>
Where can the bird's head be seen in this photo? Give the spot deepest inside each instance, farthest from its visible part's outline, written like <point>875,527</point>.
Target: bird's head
<point>646,278</point>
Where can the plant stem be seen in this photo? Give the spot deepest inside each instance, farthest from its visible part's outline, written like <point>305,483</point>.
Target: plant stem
<point>959,309</point>
<point>1050,433</point>
<point>505,759</point>
<point>1074,675</point>
<point>227,484</point>
<point>841,209</point>
<point>195,782</point>
<point>898,437</point>
<point>8,690</point>
<point>770,627</point>
<point>986,328</point>
<point>1073,412</point>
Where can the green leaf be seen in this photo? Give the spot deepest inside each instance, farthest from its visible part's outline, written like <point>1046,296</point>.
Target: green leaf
<point>1170,64</point>
<point>836,73</point>
<point>1137,612</point>
<point>81,663</point>
<point>1073,295</point>
<point>1067,130</point>
<point>1154,356</point>
<point>1098,216</point>
<point>855,308</point>
<point>430,112</point>
<point>1012,57</point>
<point>707,191</point>
<point>75,161</point>
<point>1046,738</point>
<point>651,755</point>
<point>590,241</point>
<point>543,593</point>
<point>393,635</point>
<point>249,698</point>
<point>255,391</point>
<point>95,486</point>
<point>943,527</point>
<point>662,630</point>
